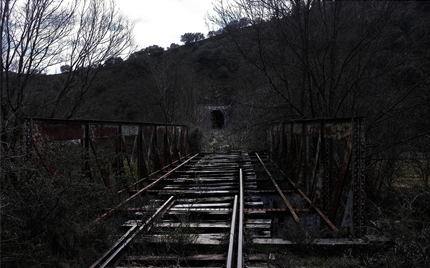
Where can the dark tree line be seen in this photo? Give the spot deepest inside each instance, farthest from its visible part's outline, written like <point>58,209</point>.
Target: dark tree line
<point>188,38</point>
<point>340,59</point>
<point>324,59</point>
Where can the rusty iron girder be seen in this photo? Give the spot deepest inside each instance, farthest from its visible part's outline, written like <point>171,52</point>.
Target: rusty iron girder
<point>146,146</point>
<point>325,158</point>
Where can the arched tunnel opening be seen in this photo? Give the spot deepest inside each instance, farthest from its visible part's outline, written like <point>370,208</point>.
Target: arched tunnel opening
<point>217,119</point>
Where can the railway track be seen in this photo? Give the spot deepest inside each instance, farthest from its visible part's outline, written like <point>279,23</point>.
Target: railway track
<point>214,210</point>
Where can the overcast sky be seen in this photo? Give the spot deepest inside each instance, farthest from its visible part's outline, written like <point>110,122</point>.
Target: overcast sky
<point>162,22</point>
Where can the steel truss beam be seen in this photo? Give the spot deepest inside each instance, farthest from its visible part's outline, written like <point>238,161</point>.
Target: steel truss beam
<point>141,148</point>
<point>325,158</point>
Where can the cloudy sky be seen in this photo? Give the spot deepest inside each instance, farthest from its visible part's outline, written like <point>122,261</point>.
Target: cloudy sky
<point>162,22</point>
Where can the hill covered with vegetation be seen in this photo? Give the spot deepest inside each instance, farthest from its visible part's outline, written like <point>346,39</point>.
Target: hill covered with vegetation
<point>270,61</point>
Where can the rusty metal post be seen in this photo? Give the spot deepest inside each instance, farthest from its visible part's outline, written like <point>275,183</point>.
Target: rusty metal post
<point>167,158</point>
<point>102,168</point>
<point>316,168</point>
<point>358,178</point>
<point>340,183</point>
<point>141,167</point>
<point>338,147</point>
<point>86,145</point>
<point>127,131</point>
<point>293,150</point>
<point>119,160</point>
<point>185,144</point>
<point>178,143</point>
<point>307,165</point>
<point>156,154</point>
<point>327,175</point>
<point>27,138</point>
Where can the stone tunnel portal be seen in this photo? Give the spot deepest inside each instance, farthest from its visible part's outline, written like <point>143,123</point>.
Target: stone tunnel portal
<point>217,119</point>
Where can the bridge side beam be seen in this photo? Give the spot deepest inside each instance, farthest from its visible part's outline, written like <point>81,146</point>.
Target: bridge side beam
<point>325,157</point>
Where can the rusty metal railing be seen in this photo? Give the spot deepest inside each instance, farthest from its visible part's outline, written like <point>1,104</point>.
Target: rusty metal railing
<point>111,148</point>
<point>325,159</point>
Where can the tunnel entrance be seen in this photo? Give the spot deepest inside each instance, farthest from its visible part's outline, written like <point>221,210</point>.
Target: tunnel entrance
<point>217,119</point>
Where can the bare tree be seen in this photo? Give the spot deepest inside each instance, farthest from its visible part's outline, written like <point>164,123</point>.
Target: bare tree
<point>340,59</point>
<point>40,34</point>
<point>173,89</point>
<point>314,54</point>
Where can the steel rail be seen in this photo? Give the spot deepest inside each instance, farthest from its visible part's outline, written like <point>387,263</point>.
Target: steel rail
<point>325,218</point>
<point>127,237</point>
<point>112,211</point>
<point>114,246</point>
<point>229,263</point>
<point>287,203</point>
<point>240,239</point>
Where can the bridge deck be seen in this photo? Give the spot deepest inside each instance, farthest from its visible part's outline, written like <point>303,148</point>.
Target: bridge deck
<point>192,216</point>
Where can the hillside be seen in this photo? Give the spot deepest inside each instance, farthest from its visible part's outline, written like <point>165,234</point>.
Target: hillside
<point>271,62</point>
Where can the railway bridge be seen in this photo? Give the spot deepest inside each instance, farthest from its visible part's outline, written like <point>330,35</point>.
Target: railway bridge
<point>226,209</point>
